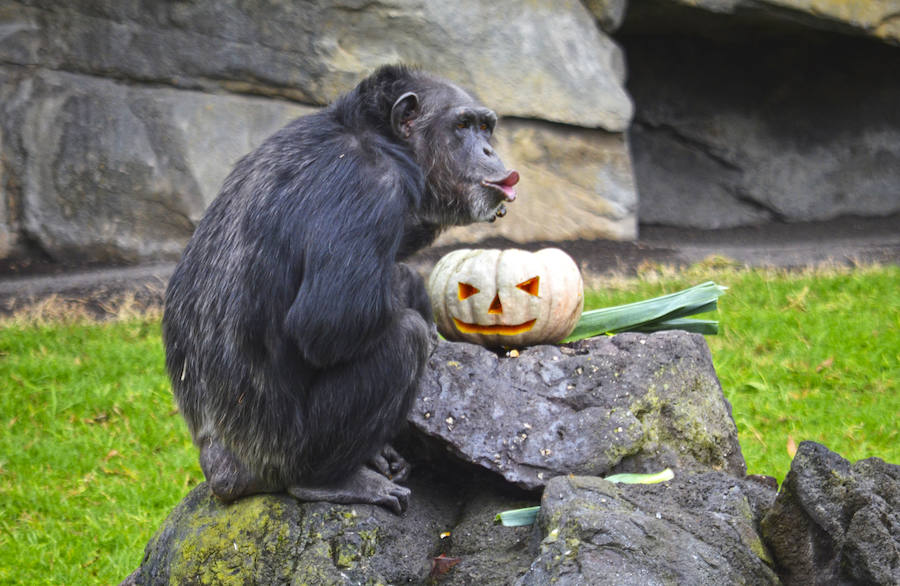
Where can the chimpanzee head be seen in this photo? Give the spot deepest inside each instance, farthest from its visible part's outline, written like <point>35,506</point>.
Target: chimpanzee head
<point>450,134</point>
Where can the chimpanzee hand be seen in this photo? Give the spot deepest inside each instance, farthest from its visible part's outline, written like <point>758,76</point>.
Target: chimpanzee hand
<point>391,464</point>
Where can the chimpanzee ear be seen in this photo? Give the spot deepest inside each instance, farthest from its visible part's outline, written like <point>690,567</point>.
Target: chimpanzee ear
<point>404,111</point>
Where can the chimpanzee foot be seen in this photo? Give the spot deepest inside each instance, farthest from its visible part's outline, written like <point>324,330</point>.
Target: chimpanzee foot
<point>365,486</point>
<point>390,464</point>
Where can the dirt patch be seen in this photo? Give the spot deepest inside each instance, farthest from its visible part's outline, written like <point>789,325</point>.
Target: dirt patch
<point>104,291</point>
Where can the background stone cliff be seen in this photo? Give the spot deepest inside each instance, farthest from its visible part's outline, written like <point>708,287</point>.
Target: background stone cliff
<point>119,119</point>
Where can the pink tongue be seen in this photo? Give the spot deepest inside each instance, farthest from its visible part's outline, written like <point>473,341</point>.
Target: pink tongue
<point>511,179</point>
<point>507,185</point>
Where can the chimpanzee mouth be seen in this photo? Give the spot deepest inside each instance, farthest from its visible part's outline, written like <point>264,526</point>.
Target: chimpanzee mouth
<point>504,185</point>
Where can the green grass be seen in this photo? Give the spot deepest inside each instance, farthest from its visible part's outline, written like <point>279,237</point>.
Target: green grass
<point>801,356</point>
<point>93,455</point>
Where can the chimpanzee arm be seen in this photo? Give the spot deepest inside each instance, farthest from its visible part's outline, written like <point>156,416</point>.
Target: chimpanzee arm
<point>409,291</point>
<point>345,300</point>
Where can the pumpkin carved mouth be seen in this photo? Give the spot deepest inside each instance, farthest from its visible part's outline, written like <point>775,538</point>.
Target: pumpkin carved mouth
<point>502,329</point>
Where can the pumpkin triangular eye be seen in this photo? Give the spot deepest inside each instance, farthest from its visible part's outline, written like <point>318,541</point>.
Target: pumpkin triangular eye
<point>530,286</point>
<point>465,290</point>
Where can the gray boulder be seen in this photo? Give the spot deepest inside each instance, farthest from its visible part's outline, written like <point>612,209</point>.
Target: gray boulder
<point>630,402</point>
<point>119,120</point>
<point>109,172</point>
<point>758,128</point>
<point>695,529</point>
<point>273,539</point>
<point>698,529</point>
<point>834,522</point>
<point>509,52</point>
<point>876,18</point>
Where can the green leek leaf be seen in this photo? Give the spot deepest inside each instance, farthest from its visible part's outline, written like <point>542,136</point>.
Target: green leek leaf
<point>526,516</point>
<point>518,517</point>
<point>633,478</point>
<point>651,315</point>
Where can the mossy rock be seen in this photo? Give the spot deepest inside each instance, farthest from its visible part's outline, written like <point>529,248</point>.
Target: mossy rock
<point>274,539</point>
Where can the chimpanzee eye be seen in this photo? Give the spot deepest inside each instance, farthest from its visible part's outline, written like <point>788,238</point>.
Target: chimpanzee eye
<point>462,124</point>
<point>483,126</point>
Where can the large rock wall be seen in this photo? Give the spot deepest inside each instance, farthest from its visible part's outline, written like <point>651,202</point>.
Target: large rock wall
<point>119,119</point>
<point>111,172</point>
<point>752,116</point>
<point>874,18</point>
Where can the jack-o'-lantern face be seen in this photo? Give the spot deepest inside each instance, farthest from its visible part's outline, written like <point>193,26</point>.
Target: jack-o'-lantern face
<point>506,298</point>
<point>466,290</point>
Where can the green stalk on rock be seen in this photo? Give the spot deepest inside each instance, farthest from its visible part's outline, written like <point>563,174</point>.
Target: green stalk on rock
<point>527,516</point>
<point>668,312</point>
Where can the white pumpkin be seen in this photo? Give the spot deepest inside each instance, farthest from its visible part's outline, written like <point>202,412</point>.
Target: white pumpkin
<point>506,298</point>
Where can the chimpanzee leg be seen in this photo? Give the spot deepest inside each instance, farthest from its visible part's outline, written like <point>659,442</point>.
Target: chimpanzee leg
<point>228,479</point>
<point>409,291</point>
<point>355,408</point>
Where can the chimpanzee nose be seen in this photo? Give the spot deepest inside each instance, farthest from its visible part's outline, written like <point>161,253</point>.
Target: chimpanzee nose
<point>488,151</point>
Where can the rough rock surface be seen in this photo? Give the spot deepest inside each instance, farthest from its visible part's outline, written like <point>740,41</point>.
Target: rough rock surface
<point>834,522</point>
<point>110,172</point>
<point>698,529</point>
<point>695,529</point>
<point>314,51</point>
<point>630,402</point>
<point>748,111</point>
<point>877,18</point>
<point>119,120</point>
<point>273,539</point>
<point>609,13</point>
<point>741,123</point>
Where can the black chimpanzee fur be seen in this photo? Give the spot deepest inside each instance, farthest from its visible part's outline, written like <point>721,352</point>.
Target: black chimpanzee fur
<point>294,338</point>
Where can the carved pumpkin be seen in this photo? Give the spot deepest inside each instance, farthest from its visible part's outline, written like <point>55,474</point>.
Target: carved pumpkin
<point>506,298</point>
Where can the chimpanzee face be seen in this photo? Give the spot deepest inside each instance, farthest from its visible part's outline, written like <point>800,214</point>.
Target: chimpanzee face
<point>450,133</point>
<point>473,128</point>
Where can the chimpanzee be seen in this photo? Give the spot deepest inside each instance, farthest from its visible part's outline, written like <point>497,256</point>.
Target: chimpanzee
<point>295,339</point>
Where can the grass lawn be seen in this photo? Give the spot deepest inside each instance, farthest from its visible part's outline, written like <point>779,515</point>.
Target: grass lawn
<point>93,455</point>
